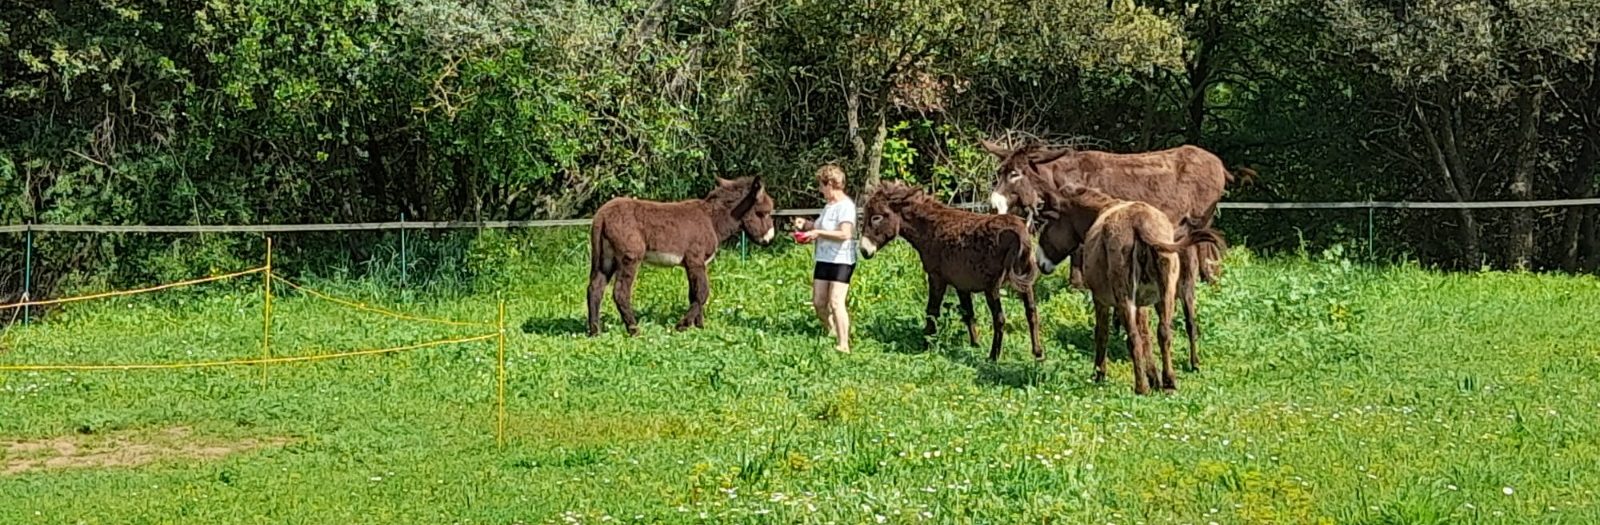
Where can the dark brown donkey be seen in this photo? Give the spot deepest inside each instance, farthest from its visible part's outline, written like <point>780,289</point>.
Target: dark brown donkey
<point>971,252</point>
<point>627,232</point>
<point>1184,182</point>
<point>1130,260</point>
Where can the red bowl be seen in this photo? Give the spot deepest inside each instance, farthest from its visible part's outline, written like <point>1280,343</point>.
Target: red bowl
<point>800,237</point>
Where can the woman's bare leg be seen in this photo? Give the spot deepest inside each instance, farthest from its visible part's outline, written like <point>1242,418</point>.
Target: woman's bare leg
<point>819,301</point>
<point>841,316</point>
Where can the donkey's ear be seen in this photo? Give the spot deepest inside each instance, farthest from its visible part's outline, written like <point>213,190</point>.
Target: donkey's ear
<point>1048,155</point>
<point>755,185</point>
<point>994,148</point>
<point>723,182</point>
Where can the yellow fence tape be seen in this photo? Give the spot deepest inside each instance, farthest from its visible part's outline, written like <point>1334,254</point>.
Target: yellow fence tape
<point>245,362</point>
<point>121,293</point>
<point>266,334</point>
<point>373,309</point>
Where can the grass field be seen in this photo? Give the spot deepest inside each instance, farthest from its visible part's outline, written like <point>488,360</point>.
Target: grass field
<point>1333,393</point>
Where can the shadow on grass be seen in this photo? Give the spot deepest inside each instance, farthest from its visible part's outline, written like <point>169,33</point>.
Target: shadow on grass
<point>903,335</point>
<point>898,335</point>
<point>552,326</point>
<point>609,320</point>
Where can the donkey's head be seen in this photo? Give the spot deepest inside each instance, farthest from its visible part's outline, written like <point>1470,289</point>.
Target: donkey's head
<point>1018,181</point>
<point>1065,218</point>
<point>885,207</point>
<point>747,201</point>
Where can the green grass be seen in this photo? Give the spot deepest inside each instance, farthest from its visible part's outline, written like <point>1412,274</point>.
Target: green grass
<point>1333,393</point>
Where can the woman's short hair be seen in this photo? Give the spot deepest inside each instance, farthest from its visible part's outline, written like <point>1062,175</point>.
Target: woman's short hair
<point>831,175</point>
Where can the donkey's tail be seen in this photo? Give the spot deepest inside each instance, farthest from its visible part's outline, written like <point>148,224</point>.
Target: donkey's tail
<point>1022,271</point>
<point>1146,234</point>
<point>1207,236</point>
<point>596,236</point>
<point>1194,236</point>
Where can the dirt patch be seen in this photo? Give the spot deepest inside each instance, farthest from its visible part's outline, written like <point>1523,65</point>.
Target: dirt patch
<point>121,451</point>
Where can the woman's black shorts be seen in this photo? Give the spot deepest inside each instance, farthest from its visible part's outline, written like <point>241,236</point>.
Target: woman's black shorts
<point>839,273</point>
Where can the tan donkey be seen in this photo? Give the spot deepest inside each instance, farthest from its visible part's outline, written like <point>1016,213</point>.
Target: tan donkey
<point>1130,260</point>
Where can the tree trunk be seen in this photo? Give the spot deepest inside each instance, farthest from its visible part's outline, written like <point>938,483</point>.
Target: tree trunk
<point>1579,186</point>
<point>1200,66</point>
<point>1590,247</point>
<point>1148,122</point>
<point>649,23</point>
<point>875,157</point>
<point>1529,104</point>
<point>1440,140</point>
<point>1199,75</point>
<point>852,117</point>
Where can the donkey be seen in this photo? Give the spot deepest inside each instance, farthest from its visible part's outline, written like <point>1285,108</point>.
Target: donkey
<point>1185,183</point>
<point>1130,260</point>
<point>972,252</point>
<point>626,232</point>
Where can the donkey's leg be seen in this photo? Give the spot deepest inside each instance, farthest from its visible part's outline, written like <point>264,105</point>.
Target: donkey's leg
<point>1102,331</point>
<point>602,264</point>
<point>1075,267</point>
<point>1164,305</point>
<point>936,287</point>
<point>993,296</point>
<point>1186,284</point>
<point>1032,310</point>
<point>705,298</point>
<point>597,292</point>
<point>622,291</point>
<point>968,317</point>
<point>1130,319</point>
<point>699,292</point>
<point>1152,366</point>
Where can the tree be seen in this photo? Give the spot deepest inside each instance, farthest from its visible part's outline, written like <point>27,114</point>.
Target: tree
<point>1469,71</point>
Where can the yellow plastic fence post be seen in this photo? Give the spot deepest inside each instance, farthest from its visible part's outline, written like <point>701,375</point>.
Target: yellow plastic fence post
<point>266,313</point>
<point>500,396</point>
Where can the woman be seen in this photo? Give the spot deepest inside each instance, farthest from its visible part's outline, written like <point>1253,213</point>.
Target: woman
<point>834,233</point>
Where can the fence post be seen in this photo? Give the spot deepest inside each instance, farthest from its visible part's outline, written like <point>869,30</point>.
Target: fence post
<point>27,273</point>
<point>500,370</point>
<point>266,313</point>
<point>403,249</point>
<point>744,246</point>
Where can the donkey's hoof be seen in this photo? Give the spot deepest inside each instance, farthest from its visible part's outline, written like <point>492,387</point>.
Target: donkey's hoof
<point>633,331</point>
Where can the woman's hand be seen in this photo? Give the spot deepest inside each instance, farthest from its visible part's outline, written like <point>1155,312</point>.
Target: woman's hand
<point>844,233</point>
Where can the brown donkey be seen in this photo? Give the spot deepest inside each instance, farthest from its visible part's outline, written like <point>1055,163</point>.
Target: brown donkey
<point>1130,260</point>
<point>627,232</point>
<point>1185,183</point>
<point>971,252</point>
